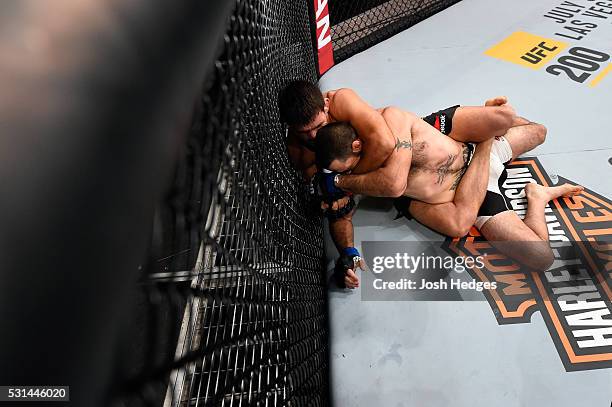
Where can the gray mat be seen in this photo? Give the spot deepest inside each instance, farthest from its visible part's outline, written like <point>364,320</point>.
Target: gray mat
<point>455,353</point>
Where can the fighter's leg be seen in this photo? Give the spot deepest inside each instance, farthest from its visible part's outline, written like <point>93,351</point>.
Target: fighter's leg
<point>527,240</point>
<point>511,236</point>
<point>479,123</point>
<point>497,118</point>
<point>537,198</point>
<point>525,137</point>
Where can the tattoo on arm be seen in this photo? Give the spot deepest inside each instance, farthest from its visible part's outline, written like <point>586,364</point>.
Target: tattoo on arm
<point>457,180</point>
<point>444,169</point>
<point>402,144</point>
<point>459,174</point>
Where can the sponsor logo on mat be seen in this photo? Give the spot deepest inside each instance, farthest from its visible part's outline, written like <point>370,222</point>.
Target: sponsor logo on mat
<point>570,49</point>
<point>527,49</point>
<point>574,295</point>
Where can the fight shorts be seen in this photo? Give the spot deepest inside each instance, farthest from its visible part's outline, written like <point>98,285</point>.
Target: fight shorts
<point>494,202</point>
<point>442,120</point>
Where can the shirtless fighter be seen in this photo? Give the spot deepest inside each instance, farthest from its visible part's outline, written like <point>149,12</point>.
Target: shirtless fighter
<point>305,110</point>
<point>447,186</point>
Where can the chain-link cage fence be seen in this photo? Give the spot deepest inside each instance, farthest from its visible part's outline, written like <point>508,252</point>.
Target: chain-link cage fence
<point>230,309</point>
<point>358,24</point>
<point>231,306</point>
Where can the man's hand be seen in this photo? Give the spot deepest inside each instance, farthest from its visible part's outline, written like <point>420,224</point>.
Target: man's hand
<point>335,202</point>
<point>346,265</point>
<point>336,205</point>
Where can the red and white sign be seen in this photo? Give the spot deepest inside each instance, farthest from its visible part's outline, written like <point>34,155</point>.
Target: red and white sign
<point>324,44</point>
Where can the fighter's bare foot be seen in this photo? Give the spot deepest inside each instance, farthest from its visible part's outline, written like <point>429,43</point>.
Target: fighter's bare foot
<point>497,101</point>
<point>539,192</point>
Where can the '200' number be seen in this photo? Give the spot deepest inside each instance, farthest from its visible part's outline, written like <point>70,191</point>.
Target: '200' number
<point>581,59</point>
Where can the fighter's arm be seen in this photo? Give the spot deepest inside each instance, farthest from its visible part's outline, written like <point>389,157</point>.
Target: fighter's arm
<point>378,141</point>
<point>456,218</point>
<point>390,180</point>
<point>341,231</point>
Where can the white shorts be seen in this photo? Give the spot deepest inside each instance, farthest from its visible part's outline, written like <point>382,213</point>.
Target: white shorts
<point>494,202</point>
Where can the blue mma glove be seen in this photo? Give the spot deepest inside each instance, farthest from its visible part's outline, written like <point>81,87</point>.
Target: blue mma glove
<point>328,192</point>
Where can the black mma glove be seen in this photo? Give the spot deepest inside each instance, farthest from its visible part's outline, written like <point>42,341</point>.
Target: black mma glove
<point>349,260</point>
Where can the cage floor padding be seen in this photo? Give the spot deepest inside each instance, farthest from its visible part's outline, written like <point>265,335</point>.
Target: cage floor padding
<point>409,353</point>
